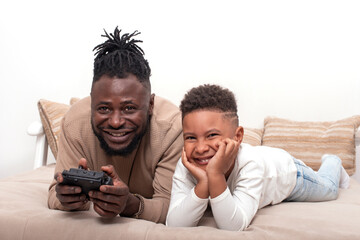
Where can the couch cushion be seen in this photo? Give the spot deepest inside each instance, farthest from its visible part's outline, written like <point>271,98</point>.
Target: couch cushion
<point>253,136</point>
<point>308,141</point>
<point>51,114</point>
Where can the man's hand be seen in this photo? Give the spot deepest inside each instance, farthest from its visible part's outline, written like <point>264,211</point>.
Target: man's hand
<point>111,200</point>
<point>201,188</point>
<point>70,196</point>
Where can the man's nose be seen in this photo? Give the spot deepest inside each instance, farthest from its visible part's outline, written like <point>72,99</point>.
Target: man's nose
<point>116,120</point>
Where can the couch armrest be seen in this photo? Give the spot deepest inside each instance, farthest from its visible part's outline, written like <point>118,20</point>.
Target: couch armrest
<point>41,145</point>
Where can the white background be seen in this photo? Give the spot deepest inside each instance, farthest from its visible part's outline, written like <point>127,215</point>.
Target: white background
<point>294,59</point>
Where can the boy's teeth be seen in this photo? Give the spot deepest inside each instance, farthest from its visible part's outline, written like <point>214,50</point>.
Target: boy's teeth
<point>204,160</point>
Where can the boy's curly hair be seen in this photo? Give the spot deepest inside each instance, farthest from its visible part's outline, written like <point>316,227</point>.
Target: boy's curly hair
<point>120,55</point>
<point>209,97</point>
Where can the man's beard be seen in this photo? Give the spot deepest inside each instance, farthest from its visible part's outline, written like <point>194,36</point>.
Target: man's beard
<point>124,151</point>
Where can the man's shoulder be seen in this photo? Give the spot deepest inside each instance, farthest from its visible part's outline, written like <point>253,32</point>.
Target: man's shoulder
<point>164,110</point>
<point>165,122</point>
<point>166,115</point>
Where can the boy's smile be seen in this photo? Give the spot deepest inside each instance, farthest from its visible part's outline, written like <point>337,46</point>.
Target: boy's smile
<point>202,131</point>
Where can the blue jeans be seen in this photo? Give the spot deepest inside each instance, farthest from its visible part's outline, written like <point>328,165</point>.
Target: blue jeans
<point>312,186</point>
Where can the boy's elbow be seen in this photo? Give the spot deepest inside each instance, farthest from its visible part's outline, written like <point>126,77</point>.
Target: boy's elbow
<point>237,223</point>
<point>177,221</point>
<point>171,223</point>
<point>233,228</point>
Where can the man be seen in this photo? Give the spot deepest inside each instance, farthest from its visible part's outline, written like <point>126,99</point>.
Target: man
<point>124,130</point>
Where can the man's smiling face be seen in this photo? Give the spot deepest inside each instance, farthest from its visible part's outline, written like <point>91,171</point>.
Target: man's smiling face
<point>120,113</point>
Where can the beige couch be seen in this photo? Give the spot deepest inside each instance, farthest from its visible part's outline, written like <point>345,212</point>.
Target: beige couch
<point>24,213</point>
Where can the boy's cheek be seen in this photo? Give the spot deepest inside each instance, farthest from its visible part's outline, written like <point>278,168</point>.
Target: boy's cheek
<point>188,150</point>
<point>215,144</point>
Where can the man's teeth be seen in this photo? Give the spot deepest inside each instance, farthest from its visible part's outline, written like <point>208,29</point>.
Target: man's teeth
<point>117,134</point>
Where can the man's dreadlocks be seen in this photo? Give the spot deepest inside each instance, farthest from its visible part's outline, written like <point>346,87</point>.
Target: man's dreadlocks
<point>120,55</point>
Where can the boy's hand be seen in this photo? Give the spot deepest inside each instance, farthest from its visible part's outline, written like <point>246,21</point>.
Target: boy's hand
<point>220,166</point>
<point>197,172</point>
<point>224,158</point>
<point>201,188</point>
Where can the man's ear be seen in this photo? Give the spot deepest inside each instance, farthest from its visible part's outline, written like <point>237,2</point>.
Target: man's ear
<point>239,134</point>
<point>151,104</point>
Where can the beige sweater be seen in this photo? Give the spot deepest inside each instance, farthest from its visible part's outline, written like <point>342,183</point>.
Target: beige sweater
<point>148,171</point>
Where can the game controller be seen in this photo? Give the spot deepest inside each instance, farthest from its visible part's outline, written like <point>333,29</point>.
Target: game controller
<point>87,180</point>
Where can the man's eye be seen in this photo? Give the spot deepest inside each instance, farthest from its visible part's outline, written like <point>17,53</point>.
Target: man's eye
<point>129,108</point>
<point>103,109</point>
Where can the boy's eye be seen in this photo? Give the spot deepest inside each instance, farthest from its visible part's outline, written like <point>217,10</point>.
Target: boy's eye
<point>213,135</point>
<point>189,138</point>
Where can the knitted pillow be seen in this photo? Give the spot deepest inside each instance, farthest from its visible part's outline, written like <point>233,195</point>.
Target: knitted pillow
<point>308,141</point>
<point>51,114</point>
<point>252,136</point>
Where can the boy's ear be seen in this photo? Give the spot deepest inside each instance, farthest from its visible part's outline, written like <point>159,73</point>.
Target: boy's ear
<point>239,134</point>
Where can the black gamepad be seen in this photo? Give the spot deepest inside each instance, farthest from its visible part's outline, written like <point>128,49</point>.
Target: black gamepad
<point>87,180</point>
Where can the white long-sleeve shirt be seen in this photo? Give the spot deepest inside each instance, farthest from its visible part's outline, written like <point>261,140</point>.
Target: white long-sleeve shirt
<point>261,176</point>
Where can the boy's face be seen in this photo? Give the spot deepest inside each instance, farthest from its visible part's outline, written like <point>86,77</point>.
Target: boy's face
<point>202,129</point>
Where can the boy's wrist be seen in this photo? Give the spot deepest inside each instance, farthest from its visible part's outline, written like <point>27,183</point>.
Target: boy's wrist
<point>202,189</point>
<point>217,184</point>
<point>215,173</point>
<point>215,168</point>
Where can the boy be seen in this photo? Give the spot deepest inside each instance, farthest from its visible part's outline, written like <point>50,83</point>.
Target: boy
<point>237,179</point>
